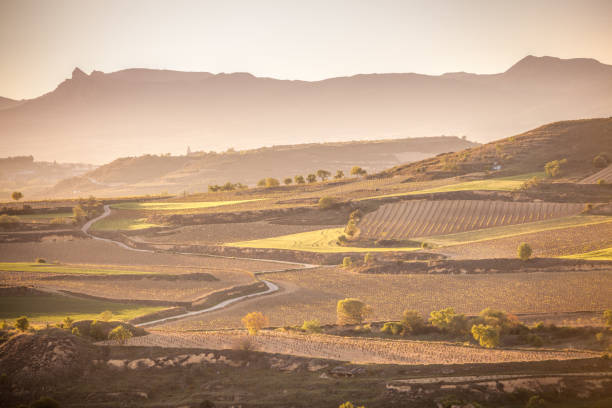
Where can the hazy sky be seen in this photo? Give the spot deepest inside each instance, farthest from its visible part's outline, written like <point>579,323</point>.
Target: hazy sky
<point>42,41</point>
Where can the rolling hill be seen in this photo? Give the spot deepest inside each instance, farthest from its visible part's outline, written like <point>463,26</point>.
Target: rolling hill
<point>98,117</point>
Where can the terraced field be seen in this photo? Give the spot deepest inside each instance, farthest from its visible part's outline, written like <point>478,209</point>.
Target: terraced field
<point>357,350</point>
<point>604,174</point>
<point>422,218</point>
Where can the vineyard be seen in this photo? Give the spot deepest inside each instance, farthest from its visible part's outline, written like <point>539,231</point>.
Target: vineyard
<point>359,350</point>
<point>605,175</point>
<point>421,218</point>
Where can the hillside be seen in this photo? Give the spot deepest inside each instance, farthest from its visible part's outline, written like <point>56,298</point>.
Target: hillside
<point>101,116</point>
<point>578,141</point>
<point>194,172</point>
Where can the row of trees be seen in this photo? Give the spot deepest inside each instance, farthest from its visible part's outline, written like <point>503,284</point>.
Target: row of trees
<point>311,178</point>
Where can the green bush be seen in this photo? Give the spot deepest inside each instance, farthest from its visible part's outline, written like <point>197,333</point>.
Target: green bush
<point>326,203</point>
<point>600,161</point>
<point>393,328</point>
<point>524,251</point>
<point>120,334</point>
<point>487,336</point>
<point>312,326</point>
<point>41,260</point>
<point>412,321</point>
<point>351,311</point>
<point>448,320</point>
<point>22,323</point>
<point>553,168</point>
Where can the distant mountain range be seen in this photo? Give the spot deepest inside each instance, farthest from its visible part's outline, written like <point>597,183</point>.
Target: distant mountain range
<point>96,118</point>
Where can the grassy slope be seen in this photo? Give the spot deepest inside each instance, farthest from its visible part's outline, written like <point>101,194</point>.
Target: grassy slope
<point>64,269</point>
<point>176,205</point>
<point>324,240</point>
<point>54,308</point>
<point>126,224</point>
<point>47,216</point>
<point>513,230</point>
<point>599,255</point>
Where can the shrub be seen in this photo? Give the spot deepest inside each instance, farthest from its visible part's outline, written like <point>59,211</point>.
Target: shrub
<point>261,183</point>
<point>351,311</point>
<point>487,336</point>
<point>67,323</point>
<point>272,182</point>
<point>351,228</point>
<point>254,322</point>
<point>96,331</point>
<point>311,178</point>
<point>323,174</point>
<point>368,258</point>
<point>17,195</point>
<point>607,316</point>
<point>105,316</point>
<point>339,175</point>
<point>120,334</point>
<point>349,404</point>
<point>393,328</point>
<point>288,181</point>
<point>312,326</point>
<point>75,331</point>
<point>553,168</point>
<point>496,318</point>
<point>45,402</point>
<point>4,325</point>
<point>347,262</point>
<point>22,323</point>
<point>533,182</point>
<point>79,213</point>
<point>412,321</point>
<point>326,203</point>
<point>600,161</point>
<point>299,180</point>
<point>524,251</point>
<point>588,207</point>
<point>601,182</point>
<point>41,260</point>
<point>448,320</point>
<point>535,402</point>
<point>535,340</point>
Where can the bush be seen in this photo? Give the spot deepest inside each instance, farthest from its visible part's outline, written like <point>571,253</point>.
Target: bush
<point>311,178</point>
<point>535,340</point>
<point>22,323</point>
<point>339,175</point>
<point>254,322</point>
<point>288,181</point>
<point>449,321</point>
<point>17,195</point>
<point>272,182</point>
<point>600,161</point>
<point>96,331</point>
<point>368,258</point>
<point>351,311</point>
<point>393,328</point>
<point>347,262</point>
<point>299,180</point>
<point>412,321</point>
<point>312,326</point>
<point>105,316</point>
<point>553,168</point>
<point>535,402</point>
<point>120,334</point>
<point>323,174</point>
<point>487,336</point>
<point>326,203</point>
<point>75,331</point>
<point>79,213</point>
<point>533,182</point>
<point>41,260</point>
<point>524,251</point>
<point>67,323</point>
<point>45,402</point>
<point>358,171</point>
<point>496,318</point>
<point>607,316</point>
<point>601,182</point>
<point>349,404</point>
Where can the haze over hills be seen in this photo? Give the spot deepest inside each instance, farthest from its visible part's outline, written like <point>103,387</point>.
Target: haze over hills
<point>96,118</point>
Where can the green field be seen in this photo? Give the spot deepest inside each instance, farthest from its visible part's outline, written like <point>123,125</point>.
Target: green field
<point>64,269</point>
<point>324,240</point>
<point>47,216</point>
<point>54,308</point>
<point>126,224</point>
<point>599,255</point>
<point>168,206</point>
<point>513,230</point>
<point>495,184</point>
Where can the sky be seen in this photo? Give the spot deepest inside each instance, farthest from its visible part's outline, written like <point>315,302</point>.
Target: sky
<point>41,41</point>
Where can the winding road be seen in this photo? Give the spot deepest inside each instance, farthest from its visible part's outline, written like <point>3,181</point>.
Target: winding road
<point>271,287</point>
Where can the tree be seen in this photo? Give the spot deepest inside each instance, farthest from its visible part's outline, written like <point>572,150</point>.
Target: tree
<point>339,175</point>
<point>312,326</point>
<point>311,178</point>
<point>67,323</point>
<point>261,183</point>
<point>412,321</point>
<point>120,334</point>
<point>352,311</point>
<point>553,168</point>
<point>487,336</point>
<point>79,213</point>
<point>325,203</point>
<point>448,320</point>
<point>22,323</point>
<point>105,316</point>
<point>17,195</point>
<point>524,251</point>
<point>347,262</point>
<point>288,181</point>
<point>367,258</point>
<point>254,322</point>
<point>323,174</point>
<point>299,180</point>
<point>607,315</point>
<point>358,171</point>
<point>272,182</point>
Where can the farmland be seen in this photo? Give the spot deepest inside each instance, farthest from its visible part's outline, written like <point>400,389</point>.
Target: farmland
<point>47,268</point>
<point>601,255</point>
<point>312,294</point>
<point>54,308</point>
<point>170,206</point>
<point>604,174</point>
<point>357,350</point>
<point>420,218</point>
